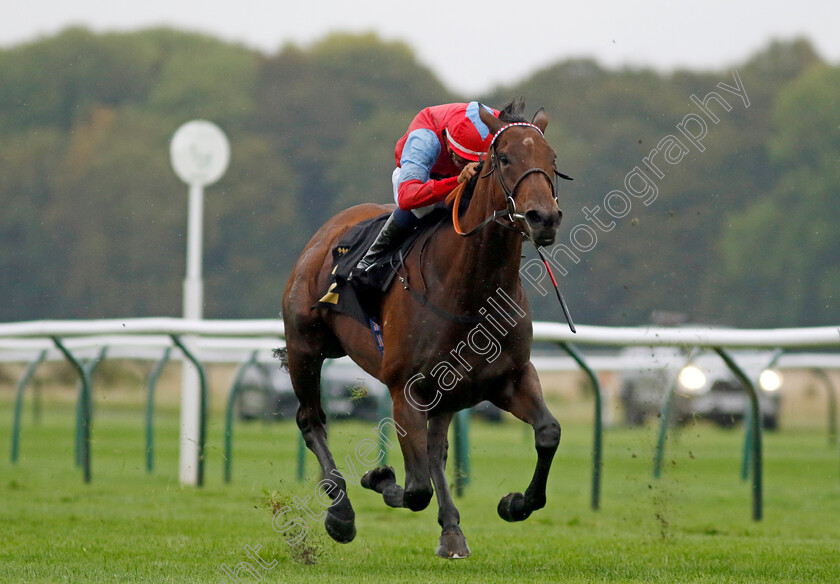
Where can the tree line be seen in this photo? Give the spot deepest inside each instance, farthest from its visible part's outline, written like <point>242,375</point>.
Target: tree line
<point>741,231</point>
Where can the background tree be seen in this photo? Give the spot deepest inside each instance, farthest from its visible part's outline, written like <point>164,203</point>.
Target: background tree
<point>92,218</point>
<point>784,251</point>
<point>311,103</point>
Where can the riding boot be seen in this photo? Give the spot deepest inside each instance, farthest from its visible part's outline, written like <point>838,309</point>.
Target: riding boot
<point>393,233</point>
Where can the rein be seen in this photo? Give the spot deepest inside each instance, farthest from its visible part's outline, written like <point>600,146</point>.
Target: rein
<point>494,217</point>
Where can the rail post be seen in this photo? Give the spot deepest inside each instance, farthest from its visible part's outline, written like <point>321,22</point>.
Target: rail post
<point>831,393</point>
<point>665,419</point>
<point>84,409</point>
<point>301,458</point>
<point>597,439</point>
<point>748,425</point>
<point>151,385</point>
<point>88,366</point>
<point>755,427</point>
<point>231,402</point>
<point>18,408</point>
<point>461,432</point>
<point>384,409</point>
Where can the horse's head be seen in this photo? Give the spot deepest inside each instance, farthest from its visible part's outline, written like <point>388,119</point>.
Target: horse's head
<point>524,165</point>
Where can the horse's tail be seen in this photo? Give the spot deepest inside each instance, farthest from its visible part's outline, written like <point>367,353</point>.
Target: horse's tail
<point>283,354</point>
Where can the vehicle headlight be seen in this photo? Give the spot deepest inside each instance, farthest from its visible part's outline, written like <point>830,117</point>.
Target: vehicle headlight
<point>770,380</point>
<point>692,378</point>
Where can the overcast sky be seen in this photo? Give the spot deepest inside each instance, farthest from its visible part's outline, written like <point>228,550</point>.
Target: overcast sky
<point>472,46</point>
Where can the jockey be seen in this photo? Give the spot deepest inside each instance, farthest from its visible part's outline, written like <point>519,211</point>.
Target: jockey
<point>440,150</point>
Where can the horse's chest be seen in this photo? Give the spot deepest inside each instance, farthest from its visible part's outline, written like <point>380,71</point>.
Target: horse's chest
<point>459,373</point>
<point>477,353</point>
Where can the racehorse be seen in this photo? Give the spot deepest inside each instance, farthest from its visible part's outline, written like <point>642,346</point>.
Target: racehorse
<point>456,330</point>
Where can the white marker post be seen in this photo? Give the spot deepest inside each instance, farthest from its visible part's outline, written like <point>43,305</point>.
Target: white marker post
<point>199,153</point>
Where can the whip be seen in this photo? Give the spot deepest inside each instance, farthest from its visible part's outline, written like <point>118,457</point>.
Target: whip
<point>557,290</point>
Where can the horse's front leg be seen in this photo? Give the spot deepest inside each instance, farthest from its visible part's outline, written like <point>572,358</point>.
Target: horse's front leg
<point>523,398</point>
<point>412,433</point>
<point>452,543</point>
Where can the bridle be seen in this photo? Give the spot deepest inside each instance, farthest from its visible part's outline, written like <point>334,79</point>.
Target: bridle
<point>512,217</point>
<point>509,212</point>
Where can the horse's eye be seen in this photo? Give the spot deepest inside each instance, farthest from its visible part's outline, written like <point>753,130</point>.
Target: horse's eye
<point>503,158</point>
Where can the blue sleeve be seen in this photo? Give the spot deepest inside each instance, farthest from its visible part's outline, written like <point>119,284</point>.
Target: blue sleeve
<point>420,153</point>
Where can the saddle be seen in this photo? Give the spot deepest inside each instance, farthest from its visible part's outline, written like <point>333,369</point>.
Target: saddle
<point>362,301</point>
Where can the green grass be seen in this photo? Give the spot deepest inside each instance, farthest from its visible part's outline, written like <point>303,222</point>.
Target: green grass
<point>693,525</point>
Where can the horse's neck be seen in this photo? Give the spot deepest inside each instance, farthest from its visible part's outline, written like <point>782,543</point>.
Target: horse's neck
<point>475,267</point>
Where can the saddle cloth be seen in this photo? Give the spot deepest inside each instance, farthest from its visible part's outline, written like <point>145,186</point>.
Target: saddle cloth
<point>361,302</point>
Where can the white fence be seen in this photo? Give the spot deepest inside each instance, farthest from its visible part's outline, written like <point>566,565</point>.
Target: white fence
<point>232,341</point>
<point>826,336</point>
<point>217,337</point>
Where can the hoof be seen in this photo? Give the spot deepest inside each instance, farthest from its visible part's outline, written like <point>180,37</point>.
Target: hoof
<point>512,507</point>
<point>341,530</point>
<point>393,495</point>
<point>379,478</point>
<point>453,545</point>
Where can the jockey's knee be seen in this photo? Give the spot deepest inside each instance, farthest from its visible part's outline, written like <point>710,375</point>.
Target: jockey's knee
<point>407,219</point>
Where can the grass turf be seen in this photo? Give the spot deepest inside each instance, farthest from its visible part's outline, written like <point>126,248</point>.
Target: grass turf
<point>692,525</point>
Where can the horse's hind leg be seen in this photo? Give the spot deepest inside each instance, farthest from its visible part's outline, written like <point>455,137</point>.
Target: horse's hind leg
<point>452,542</point>
<point>523,398</point>
<point>305,372</point>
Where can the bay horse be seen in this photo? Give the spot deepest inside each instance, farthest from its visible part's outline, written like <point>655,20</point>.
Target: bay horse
<point>433,335</point>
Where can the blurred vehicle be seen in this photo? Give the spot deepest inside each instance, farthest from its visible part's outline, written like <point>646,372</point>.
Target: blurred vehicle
<point>346,392</point>
<point>704,387</point>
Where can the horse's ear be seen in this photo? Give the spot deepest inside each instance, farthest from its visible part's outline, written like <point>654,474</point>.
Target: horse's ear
<point>540,119</point>
<point>489,119</point>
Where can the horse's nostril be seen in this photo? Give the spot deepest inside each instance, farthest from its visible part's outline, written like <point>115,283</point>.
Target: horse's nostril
<point>542,218</point>
<point>536,218</point>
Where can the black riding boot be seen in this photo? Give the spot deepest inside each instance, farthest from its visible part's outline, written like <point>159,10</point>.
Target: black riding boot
<point>391,236</point>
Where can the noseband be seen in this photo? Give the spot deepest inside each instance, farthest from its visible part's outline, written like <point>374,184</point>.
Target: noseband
<point>510,193</point>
